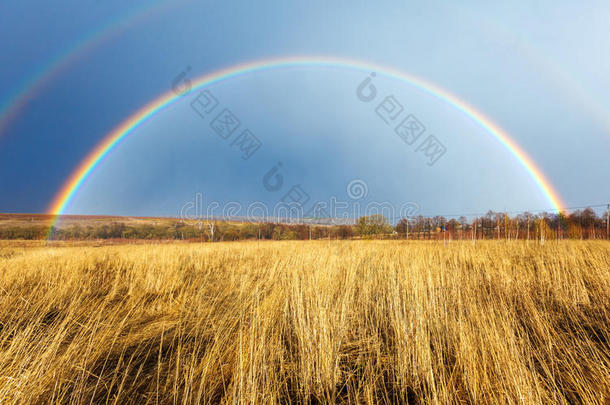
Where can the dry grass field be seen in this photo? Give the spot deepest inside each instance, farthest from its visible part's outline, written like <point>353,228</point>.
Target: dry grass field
<point>359,321</point>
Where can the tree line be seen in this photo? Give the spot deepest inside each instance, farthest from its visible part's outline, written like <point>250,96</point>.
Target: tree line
<point>581,224</point>
<point>585,224</point>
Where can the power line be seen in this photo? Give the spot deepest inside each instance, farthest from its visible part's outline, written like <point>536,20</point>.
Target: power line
<point>505,212</point>
<point>398,217</point>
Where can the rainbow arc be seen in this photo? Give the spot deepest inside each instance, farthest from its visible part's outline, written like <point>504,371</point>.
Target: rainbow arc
<point>79,176</point>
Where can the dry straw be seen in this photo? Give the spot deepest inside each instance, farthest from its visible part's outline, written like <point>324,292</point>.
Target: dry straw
<point>375,321</point>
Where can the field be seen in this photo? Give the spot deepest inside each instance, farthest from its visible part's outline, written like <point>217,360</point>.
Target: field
<point>319,321</point>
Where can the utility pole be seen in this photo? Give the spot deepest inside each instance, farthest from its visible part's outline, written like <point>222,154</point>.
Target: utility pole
<point>608,222</point>
<point>528,228</point>
<point>407,228</point>
<point>474,229</point>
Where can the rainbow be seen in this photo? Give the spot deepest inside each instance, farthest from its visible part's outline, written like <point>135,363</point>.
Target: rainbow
<point>35,82</point>
<point>552,72</point>
<point>144,114</point>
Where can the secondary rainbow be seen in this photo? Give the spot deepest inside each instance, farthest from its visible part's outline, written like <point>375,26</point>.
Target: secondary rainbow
<point>74,52</point>
<point>140,117</point>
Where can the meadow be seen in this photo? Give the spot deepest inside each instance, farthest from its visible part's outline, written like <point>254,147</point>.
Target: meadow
<point>306,322</point>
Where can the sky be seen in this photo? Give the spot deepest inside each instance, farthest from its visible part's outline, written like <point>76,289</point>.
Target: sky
<point>72,71</point>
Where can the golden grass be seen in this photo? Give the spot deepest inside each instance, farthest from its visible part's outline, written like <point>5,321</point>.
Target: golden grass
<point>376,321</point>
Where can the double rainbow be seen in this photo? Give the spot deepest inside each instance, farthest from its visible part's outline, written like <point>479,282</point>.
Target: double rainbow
<point>130,125</point>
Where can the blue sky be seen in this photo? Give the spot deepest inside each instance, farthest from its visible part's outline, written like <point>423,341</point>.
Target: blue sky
<point>538,69</point>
